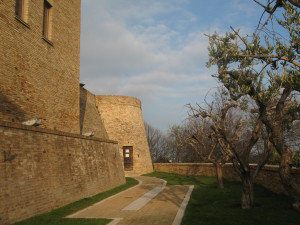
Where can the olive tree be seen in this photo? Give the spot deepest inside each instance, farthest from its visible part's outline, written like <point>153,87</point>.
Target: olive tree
<point>200,135</point>
<point>237,136</point>
<point>265,67</point>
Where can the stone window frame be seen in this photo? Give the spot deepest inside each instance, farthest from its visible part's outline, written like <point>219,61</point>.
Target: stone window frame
<point>21,12</point>
<point>47,22</point>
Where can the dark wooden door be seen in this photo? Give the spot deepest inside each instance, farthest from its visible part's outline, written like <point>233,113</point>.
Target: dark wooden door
<point>128,157</point>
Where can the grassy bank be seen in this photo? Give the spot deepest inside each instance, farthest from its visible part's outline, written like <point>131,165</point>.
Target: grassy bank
<point>209,205</point>
<point>57,216</point>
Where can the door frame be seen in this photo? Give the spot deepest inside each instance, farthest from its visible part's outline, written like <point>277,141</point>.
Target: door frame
<point>128,158</point>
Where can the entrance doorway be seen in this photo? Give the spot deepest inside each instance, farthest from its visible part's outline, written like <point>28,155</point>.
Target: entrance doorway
<point>128,158</point>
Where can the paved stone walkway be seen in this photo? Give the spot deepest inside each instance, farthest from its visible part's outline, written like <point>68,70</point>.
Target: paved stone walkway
<point>151,202</point>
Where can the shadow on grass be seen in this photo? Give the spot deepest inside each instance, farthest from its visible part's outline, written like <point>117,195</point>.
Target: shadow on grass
<point>57,216</point>
<point>209,205</point>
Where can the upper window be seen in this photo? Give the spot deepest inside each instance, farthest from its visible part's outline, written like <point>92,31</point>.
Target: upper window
<point>21,9</point>
<point>47,25</point>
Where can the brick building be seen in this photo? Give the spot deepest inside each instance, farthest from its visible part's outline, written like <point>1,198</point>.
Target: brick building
<point>50,165</point>
<point>53,164</point>
<point>40,61</point>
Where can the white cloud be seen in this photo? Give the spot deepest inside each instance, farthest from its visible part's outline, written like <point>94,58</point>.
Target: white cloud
<point>163,78</point>
<point>148,93</point>
<point>113,50</point>
<point>103,84</point>
<point>133,48</point>
<point>145,55</point>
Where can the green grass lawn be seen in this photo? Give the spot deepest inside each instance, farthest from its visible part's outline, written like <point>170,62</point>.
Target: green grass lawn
<point>209,205</point>
<point>56,216</point>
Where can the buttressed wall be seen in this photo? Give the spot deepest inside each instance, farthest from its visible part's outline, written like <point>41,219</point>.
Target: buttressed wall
<point>90,118</point>
<point>40,76</point>
<point>49,166</point>
<point>123,120</point>
<point>43,169</point>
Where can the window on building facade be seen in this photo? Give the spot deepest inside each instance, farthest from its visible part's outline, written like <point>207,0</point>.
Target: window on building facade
<point>21,10</point>
<point>47,24</point>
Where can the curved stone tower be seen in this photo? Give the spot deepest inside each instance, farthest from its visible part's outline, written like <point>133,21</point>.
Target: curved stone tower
<point>123,121</point>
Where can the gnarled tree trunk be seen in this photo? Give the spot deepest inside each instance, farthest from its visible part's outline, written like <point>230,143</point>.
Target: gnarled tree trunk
<point>286,162</point>
<point>285,171</point>
<point>247,191</point>
<point>219,172</point>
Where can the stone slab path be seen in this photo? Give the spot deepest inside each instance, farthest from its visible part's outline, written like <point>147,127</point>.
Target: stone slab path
<point>151,202</point>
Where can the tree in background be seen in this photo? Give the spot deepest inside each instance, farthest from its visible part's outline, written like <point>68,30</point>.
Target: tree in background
<point>198,135</point>
<point>237,135</point>
<point>166,148</point>
<point>183,153</point>
<point>157,143</point>
<point>291,136</point>
<point>265,67</point>
<point>296,158</point>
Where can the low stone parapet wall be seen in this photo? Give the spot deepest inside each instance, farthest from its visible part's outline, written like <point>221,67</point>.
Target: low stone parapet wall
<point>268,176</point>
<point>43,169</point>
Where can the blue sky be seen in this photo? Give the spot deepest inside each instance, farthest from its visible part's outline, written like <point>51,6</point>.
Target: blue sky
<point>155,50</point>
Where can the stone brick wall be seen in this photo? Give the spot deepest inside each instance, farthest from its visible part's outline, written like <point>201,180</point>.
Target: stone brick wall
<point>268,176</point>
<point>123,120</point>
<point>42,169</point>
<point>90,118</point>
<point>39,80</point>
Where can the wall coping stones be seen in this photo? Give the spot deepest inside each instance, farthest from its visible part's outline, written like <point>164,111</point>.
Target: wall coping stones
<point>274,168</point>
